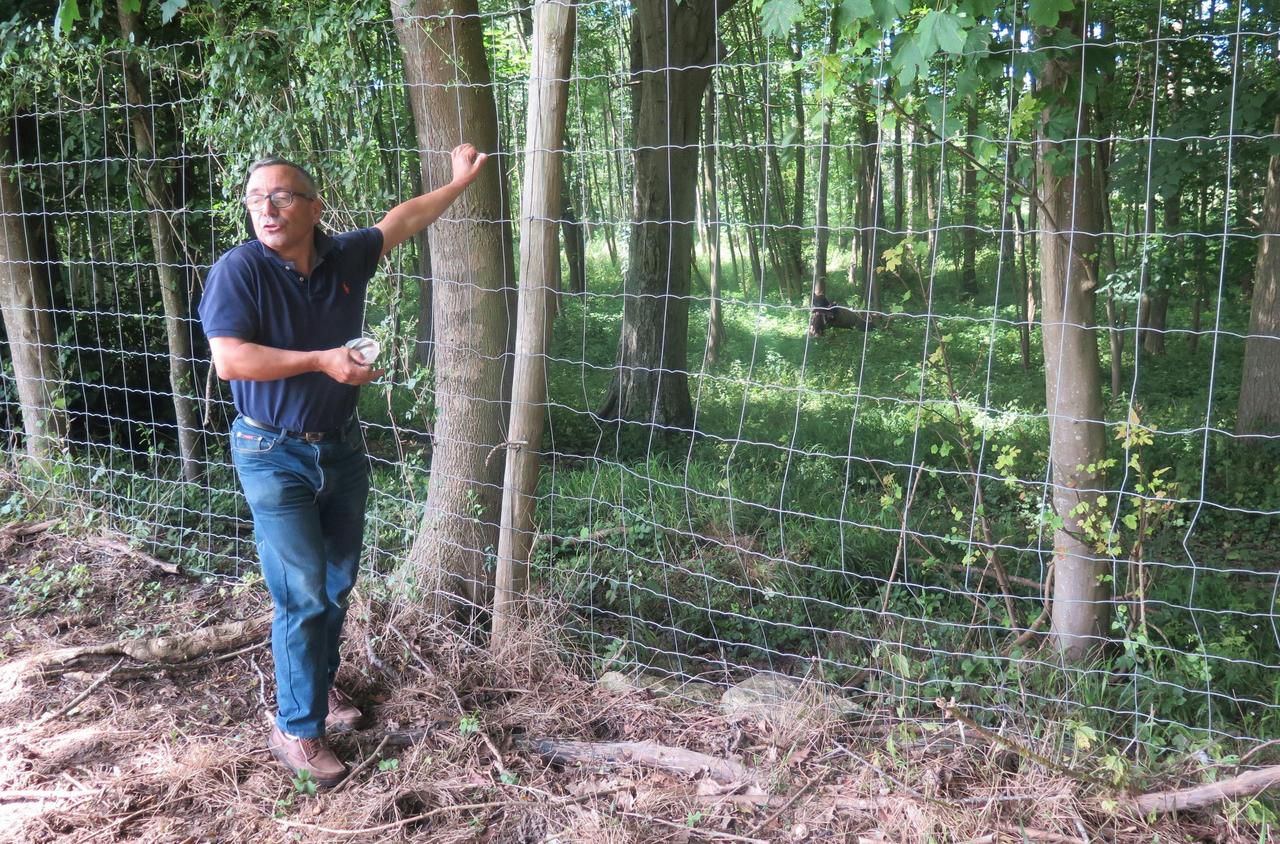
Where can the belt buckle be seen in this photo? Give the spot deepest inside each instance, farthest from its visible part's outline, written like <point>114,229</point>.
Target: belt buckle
<point>312,436</point>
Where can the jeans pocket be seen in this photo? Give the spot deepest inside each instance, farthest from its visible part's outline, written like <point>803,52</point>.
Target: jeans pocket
<point>249,442</point>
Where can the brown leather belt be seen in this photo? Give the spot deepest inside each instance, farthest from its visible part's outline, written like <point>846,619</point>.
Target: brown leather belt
<point>307,436</point>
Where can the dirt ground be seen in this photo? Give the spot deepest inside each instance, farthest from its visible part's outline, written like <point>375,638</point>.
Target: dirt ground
<point>461,746</point>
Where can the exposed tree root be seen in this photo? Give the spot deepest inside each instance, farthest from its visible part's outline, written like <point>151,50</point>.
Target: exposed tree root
<point>164,650</point>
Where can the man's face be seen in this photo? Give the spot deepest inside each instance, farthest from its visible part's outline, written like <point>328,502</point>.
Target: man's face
<point>285,230</point>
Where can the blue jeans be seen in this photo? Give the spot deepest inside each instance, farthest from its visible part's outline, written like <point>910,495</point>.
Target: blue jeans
<point>308,503</point>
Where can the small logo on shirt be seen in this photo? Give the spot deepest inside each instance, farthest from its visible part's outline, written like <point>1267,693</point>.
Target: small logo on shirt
<point>346,291</point>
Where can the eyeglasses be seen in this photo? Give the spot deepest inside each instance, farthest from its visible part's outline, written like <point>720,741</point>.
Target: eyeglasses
<point>279,198</point>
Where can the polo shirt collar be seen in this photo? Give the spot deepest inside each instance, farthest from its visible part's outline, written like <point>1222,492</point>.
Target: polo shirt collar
<point>324,245</point>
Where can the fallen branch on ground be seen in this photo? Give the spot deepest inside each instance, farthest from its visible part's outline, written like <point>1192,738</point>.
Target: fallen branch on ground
<point>1197,797</point>
<point>79,699</point>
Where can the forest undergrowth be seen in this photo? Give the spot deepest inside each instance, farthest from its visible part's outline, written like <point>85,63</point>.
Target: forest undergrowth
<point>117,749</point>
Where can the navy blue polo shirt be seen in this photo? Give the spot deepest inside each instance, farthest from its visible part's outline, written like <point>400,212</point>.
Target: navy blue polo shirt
<point>254,294</point>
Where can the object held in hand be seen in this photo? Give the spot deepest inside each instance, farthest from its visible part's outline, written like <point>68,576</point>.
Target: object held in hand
<point>366,347</point>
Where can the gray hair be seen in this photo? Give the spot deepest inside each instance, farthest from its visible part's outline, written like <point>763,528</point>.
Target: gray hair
<point>277,161</point>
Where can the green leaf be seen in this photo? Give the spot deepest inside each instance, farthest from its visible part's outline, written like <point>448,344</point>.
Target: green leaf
<point>169,8</point>
<point>851,11</point>
<point>887,11</point>
<point>777,17</point>
<point>909,61</point>
<point>1047,12</point>
<point>944,29</point>
<point>66,17</point>
<point>131,6</point>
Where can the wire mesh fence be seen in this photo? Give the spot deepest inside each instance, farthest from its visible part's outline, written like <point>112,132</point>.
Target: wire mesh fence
<point>843,465</point>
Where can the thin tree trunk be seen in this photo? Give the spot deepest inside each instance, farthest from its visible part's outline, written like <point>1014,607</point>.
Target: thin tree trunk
<point>1073,388</point>
<point>445,66</point>
<point>872,211</point>
<point>1027,299</point>
<point>794,233</point>
<point>575,241</point>
<point>1107,257</point>
<point>1199,247</point>
<point>553,31</point>
<point>1259,410</point>
<point>711,216</point>
<point>968,263</point>
<point>1158,309</point>
<point>424,342</point>
<point>899,180</point>
<point>26,301</point>
<point>822,237</point>
<point>173,292</point>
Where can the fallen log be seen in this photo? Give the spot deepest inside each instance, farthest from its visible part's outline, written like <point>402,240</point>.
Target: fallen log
<point>1198,797</point>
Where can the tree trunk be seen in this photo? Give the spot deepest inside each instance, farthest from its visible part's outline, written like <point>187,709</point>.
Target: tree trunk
<point>822,237</point>
<point>445,66</point>
<point>1157,296</point>
<point>173,293</point>
<point>26,301</point>
<point>899,180</point>
<point>575,243</point>
<point>968,264</point>
<point>794,233</point>
<point>1259,411</point>
<point>711,215</point>
<point>1027,299</point>
<point>871,211</point>
<point>1199,249</point>
<point>673,45</point>
<point>553,30</point>
<point>1107,260</point>
<point>1073,388</point>
<point>424,341</point>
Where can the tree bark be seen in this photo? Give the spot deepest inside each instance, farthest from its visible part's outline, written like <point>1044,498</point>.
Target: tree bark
<point>173,293</point>
<point>553,31</point>
<point>1073,388</point>
<point>673,45</point>
<point>26,301</point>
<point>445,66</point>
<point>1259,409</point>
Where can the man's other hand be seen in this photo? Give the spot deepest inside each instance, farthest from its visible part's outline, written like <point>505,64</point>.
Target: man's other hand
<point>345,366</point>
<point>467,162</point>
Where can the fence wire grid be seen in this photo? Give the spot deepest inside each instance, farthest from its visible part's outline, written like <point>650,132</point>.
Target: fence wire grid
<point>862,491</point>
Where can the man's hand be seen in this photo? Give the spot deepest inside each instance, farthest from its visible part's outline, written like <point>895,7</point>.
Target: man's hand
<point>467,162</point>
<point>409,218</point>
<point>345,366</point>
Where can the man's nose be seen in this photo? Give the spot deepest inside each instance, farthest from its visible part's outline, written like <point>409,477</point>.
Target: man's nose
<point>269,209</point>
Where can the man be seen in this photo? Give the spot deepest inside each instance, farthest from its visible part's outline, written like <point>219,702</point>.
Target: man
<point>278,312</point>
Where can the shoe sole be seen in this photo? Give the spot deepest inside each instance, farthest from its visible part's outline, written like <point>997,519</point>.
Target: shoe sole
<point>329,782</point>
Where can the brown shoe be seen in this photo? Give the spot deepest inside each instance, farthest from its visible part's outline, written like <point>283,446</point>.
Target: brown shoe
<point>343,714</point>
<point>307,754</point>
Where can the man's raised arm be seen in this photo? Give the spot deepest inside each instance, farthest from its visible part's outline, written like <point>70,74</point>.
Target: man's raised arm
<point>409,218</point>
